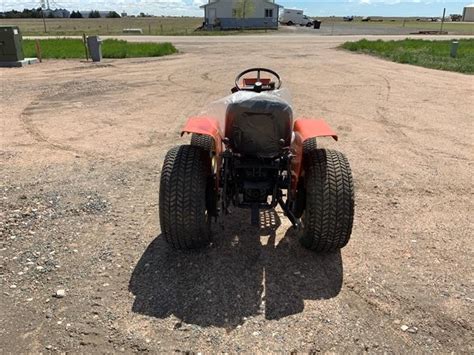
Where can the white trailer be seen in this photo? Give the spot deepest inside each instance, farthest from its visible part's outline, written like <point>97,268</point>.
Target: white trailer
<point>295,17</point>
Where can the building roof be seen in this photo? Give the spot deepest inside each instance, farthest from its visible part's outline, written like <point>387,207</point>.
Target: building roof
<point>211,3</point>
<point>472,5</point>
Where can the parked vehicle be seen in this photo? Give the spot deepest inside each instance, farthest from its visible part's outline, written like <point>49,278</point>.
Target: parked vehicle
<point>249,152</point>
<point>348,18</point>
<point>292,17</point>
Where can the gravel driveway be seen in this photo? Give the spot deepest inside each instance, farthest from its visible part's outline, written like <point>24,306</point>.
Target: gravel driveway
<point>84,269</point>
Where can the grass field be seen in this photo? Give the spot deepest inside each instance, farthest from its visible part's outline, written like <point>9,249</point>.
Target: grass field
<point>111,48</point>
<point>408,23</point>
<point>187,26</point>
<point>104,26</point>
<point>429,54</point>
<point>167,26</point>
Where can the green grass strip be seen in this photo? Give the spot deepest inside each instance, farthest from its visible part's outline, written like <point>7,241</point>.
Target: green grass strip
<point>424,53</point>
<point>65,48</point>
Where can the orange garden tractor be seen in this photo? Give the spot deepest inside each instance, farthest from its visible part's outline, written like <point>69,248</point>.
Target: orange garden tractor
<point>249,152</point>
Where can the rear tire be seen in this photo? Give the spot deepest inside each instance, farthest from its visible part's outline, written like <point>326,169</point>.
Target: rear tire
<point>184,220</point>
<point>329,211</point>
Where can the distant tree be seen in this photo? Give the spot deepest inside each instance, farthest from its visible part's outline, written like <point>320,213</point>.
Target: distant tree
<point>38,13</point>
<point>50,14</point>
<point>113,14</point>
<point>26,13</point>
<point>94,14</point>
<point>75,14</point>
<point>244,8</point>
<point>13,14</point>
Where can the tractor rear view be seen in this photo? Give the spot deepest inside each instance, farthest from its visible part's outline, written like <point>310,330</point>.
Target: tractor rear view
<point>251,153</point>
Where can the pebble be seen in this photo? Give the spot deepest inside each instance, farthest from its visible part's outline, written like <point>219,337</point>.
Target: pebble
<point>39,268</point>
<point>12,286</point>
<point>412,330</point>
<point>60,293</point>
<point>256,334</point>
<point>404,327</point>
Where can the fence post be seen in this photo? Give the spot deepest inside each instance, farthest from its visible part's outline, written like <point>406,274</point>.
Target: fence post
<point>454,49</point>
<point>38,50</point>
<point>85,46</point>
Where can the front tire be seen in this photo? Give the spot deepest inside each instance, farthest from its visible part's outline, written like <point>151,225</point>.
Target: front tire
<point>184,220</point>
<point>329,210</point>
<point>202,140</point>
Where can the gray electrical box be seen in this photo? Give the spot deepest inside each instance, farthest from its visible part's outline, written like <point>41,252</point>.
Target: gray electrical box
<point>11,44</point>
<point>94,43</point>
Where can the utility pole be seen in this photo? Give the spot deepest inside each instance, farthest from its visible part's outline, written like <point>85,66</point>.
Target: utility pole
<point>442,21</point>
<point>43,5</point>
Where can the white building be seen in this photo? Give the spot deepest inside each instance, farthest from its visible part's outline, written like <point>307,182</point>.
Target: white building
<point>468,13</point>
<point>240,14</point>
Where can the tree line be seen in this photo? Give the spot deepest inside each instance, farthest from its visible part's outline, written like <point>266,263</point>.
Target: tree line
<point>38,13</point>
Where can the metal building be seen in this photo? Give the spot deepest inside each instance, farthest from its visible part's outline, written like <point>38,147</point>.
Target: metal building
<point>468,13</point>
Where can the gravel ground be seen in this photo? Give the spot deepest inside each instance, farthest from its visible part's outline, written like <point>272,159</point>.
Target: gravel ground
<point>83,267</point>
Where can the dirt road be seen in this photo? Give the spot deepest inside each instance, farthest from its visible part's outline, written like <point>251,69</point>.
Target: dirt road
<point>81,152</point>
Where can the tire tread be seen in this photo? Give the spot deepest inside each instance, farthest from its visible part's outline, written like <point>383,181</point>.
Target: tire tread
<point>183,198</point>
<point>329,209</point>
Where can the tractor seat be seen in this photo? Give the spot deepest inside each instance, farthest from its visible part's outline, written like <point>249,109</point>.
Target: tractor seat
<point>259,126</point>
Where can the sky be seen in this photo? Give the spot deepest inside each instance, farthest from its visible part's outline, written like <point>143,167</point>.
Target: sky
<point>311,7</point>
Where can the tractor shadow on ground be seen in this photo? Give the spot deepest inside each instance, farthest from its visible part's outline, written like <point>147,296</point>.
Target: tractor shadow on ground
<point>224,284</point>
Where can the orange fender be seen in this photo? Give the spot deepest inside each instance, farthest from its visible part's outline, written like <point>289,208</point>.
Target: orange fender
<point>205,125</point>
<point>208,126</point>
<point>305,129</point>
<point>308,128</point>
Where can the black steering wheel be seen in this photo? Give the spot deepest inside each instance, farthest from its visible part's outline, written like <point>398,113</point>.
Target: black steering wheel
<point>258,85</point>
